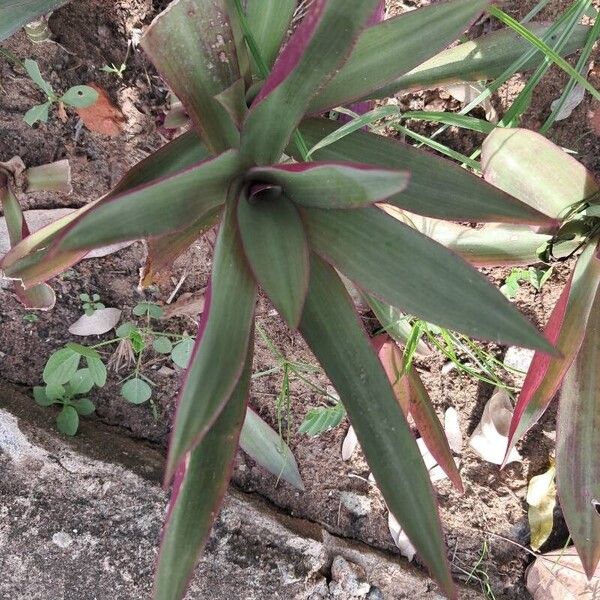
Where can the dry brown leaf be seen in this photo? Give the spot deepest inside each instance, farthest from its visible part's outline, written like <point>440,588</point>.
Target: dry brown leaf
<point>62,113</point>
<point>103,116</point>
<point>490,438</point>
<point>187,305</point>
<point>559,575</point>
<point>541,497</point>
<point>102,321</point>
<point>574,99</point>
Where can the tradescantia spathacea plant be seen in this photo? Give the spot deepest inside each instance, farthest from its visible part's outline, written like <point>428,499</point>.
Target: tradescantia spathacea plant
<point>289,226</point>
<point>541,174</point>
<point>534,169</point>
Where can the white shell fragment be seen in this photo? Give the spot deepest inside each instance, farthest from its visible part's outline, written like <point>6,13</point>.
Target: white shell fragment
<point>452,429</point>
<point>349,445</point>
<point>400,538</point>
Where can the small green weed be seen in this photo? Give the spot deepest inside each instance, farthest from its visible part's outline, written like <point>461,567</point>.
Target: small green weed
<point>78,96</point>
<point>535,277</point>
<point>65,382</point>
<point>90,304</point>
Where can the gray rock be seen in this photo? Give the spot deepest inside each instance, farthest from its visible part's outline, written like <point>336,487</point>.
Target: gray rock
<point>81,527</point>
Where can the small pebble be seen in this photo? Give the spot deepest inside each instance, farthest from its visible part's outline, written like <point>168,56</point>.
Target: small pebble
<point>62,540</point>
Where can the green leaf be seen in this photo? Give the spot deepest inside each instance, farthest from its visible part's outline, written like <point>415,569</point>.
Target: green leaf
<point>566,328</point>
<point>17,13</point>
<point>484,58</point>
<point>541,45</point>
<point>40,397</point>
<point>335,335</point>
<point>197,72</point>
<point>228,317</point>
<point>358,122</point>
<point>138,340</point>
<point>407,270</point>
<point>169,204</point>
<point>578,445</point>
<point>322,419</point>
<point>81,382</point>
<point>68,420</point>
<point>266,447</point>
<point>126,329</point>
<point>198,492</point>
<point>489,245</point>
<point>333,185</point>
<point>162,345</point>
<point>148,309</point>
<point>80,96</point>
<point>55,392</point>
<point>181,153</point>
<point>182,352</point>
<point>395,46</point>
<point>33,267</point>
<point>311,56</point>
<point>437,187</point>
<point>83,350</point>
<point>275,245</point>
<point>269,21</point>
<point>39,112</point>
<point>61,366</point>
<point>97,371</point>
<point>396,324</point>
<point>450,118</point>
<point>83,406</point>
<point>526,165</point>
<point>136,391</point>
<point>33,70</point>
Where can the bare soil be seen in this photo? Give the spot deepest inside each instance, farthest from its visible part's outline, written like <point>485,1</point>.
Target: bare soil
<point>485,527</point>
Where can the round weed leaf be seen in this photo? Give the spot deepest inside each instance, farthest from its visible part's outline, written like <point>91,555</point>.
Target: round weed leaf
<point>138,341</point>
<point>39,112</point>
<point>148,308</point>
<point>55,392</point>
<point>162,345</point>
<point>68,421</point>
<point>84,297</point>
<point>182,352</point>
<point>81,382</point>
<point>84,406</point>
<point>97,371</point>
<point>61,366</point>
<point>125,330</point>
<point>136,391</point>
<point>83,350</point>
<point>80,96</point>
<point>40,397</point>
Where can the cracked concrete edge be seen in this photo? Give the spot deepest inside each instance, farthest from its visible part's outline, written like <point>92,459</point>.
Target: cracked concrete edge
<point>80,520</point>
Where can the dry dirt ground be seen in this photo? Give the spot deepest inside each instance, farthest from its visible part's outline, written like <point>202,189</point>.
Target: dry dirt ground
<point>92,33</point>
